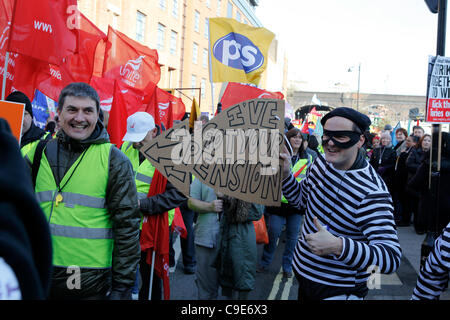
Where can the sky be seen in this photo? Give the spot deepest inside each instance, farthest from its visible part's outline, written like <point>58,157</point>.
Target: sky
<point>390,39</point>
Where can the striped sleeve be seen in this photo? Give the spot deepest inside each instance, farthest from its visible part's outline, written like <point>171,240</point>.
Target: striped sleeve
<point>293,191</point>
<point>375,220</point>
<point>435,273</point>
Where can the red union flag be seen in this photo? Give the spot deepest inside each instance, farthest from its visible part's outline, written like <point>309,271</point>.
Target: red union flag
<point>41,29</point>
<point>6,8</point>
<point>126,101</point>
<point>78,67</point>
<point>131,62</point>
<point>165,108</point>
<point>105,90</point>
<point>236,92</point>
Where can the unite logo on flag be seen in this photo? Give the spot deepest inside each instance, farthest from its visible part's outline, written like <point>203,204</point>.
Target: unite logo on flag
<point>162,107</point>
<point>130,72</point>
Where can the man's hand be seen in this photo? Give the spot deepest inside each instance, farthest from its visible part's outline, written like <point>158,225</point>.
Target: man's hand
<point>285,162</point>
<point>216,206</point>
<point>323,242</point>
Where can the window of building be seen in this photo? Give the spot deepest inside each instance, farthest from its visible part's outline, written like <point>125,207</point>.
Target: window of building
<point>205,58</point>
<point>140,26</point>
<point>203,87</point>
<point>238,16</point>
<point>208,3</point>
<point>161,33</point>
<point>173,42</point>
<point>197,21</point>
<point>175,8</point>
<point>219,7</point>
<point>206,33</point>
<point>193,84</point>
<point>162,4</point>
<point>229,10</point>
<point>195,53</point>
<point>115,21</point>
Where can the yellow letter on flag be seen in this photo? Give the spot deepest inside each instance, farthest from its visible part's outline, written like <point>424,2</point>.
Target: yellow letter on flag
<point>238,52</point>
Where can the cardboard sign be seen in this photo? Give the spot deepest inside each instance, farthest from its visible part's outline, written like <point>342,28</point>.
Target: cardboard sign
<point>13,113</point>
<point>236,152</point>
<point>438,102</point>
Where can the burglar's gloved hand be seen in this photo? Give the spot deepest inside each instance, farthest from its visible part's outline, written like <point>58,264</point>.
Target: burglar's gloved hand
<point>120,293</point>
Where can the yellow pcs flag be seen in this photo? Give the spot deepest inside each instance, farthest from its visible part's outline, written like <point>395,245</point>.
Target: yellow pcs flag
<point>238,52</point>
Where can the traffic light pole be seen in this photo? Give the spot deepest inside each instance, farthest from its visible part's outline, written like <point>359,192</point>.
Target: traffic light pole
<point>435,154</point>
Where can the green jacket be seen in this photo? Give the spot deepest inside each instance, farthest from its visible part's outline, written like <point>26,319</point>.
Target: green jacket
<point>236,258</point>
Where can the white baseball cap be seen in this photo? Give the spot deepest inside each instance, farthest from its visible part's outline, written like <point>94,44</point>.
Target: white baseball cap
<point>138,125</point>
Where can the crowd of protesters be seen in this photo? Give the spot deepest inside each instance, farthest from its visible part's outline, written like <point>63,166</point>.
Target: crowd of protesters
<point>92,211</point>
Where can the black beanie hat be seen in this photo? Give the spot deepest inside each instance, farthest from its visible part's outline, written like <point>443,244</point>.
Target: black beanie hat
<point>20,97</point>
<point>359,119</point>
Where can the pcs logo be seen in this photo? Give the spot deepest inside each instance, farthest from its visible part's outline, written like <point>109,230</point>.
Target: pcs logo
<point>237,51</point>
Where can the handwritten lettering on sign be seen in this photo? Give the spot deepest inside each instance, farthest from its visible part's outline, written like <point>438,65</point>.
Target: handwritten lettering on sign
<point>236,152</point>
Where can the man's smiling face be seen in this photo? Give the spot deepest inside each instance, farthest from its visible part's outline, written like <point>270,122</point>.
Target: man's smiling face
<point>78,117</point>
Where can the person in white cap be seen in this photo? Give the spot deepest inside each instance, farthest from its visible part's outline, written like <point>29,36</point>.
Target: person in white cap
<point>141,129</point>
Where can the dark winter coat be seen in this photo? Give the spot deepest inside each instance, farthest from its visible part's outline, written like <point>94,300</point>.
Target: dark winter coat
<point>420,183</point>
<point>33,134</point>
<point>25,243</point>
<point>121,202</point>
<point>237,253</point>
<point>412,164</point>
<point>385,167</point>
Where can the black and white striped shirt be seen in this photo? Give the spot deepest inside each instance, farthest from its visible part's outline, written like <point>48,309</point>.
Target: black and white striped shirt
<point>434,275</point>
<point>354,205</point>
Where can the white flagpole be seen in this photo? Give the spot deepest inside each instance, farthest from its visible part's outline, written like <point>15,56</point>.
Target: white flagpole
<point>151,276</point>
<point>210,67</point>
<point>5,69</point>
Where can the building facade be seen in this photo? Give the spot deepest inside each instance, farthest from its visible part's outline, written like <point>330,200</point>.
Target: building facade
<point>178,29</point>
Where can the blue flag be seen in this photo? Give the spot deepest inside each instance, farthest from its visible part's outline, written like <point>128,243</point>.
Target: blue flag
<point>394,139</point>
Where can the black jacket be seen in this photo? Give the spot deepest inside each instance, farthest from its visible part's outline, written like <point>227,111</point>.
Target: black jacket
<point>122,204</point>
<point>25,242</point>
<point>33,134</point>
<point>419,182</point>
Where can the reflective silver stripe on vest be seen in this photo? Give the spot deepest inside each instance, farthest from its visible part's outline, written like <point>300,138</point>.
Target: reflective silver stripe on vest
<point>73,198</point>
<point>81,233</point>
<point>143,178</point>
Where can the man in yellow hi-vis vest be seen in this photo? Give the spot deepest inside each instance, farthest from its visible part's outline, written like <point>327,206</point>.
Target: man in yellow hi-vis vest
<point>86,188</point>
<point>141,128</point>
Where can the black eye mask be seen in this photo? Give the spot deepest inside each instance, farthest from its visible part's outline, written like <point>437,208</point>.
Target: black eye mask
<point>353,135</point>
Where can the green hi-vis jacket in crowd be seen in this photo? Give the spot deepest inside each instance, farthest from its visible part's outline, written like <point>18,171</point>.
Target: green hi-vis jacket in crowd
<point>143,173</point>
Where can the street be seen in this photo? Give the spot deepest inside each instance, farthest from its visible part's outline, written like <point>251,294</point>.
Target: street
<point>271,286</point>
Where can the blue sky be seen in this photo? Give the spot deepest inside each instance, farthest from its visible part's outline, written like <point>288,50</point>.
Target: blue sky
<point>324,38</point>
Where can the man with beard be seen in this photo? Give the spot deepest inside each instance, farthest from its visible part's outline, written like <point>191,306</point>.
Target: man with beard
<point>348,230</point>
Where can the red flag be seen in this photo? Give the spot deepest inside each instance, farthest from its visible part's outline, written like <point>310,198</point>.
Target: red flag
<point>126,101</point>
<point>236,92</point>
<point>105,90</point>
<point>305,127</point>
<point>166,108</point>
<point>49,80</point>
<point>78,67</point>
<point>131,62</point>
<point>178,224</point>
<point>42,29</point>
<point>155,235</point>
